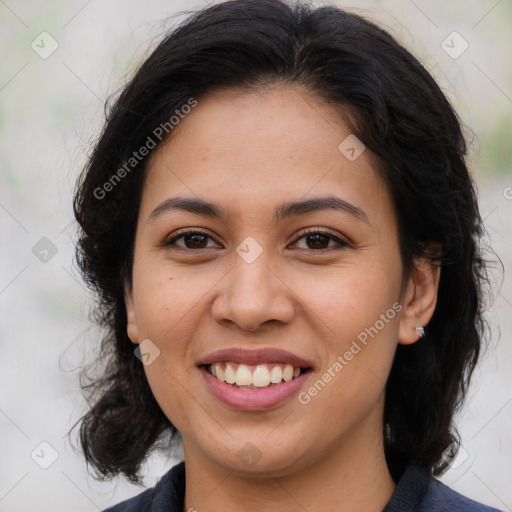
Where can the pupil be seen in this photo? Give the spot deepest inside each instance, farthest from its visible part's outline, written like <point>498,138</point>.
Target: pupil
<point>318,239</point>
<point>195,239</point>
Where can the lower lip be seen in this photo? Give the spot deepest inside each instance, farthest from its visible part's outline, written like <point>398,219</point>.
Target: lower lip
<point>253,399</point>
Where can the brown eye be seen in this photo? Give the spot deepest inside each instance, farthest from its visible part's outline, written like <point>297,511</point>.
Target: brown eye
<point>320,240</point>
<point>191,240</point>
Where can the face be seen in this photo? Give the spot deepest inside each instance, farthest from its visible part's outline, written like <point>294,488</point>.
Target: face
<point>252,272</point>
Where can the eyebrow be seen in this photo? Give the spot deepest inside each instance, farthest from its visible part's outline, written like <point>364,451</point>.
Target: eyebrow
<point>283,211</point>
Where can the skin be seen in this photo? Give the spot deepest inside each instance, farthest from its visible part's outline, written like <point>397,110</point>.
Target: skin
<point>250,152</point>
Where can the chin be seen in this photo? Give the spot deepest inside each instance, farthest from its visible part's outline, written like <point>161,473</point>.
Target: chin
<point>259,458</point>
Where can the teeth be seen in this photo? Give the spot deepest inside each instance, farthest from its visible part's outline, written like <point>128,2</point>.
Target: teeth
<point>229,374</point>
<point>276,375</point>
<point>259,376</point>
<point>243,376</point>
<point>219,373</point>
<point>288,373</point>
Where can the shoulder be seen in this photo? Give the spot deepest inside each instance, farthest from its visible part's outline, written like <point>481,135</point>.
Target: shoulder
<point>417,491</point>
<point>440,497</point>
<point>140,503</point>
<point>167,495</point>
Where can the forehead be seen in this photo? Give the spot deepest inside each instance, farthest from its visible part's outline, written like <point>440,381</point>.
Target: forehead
<point>248,150</point>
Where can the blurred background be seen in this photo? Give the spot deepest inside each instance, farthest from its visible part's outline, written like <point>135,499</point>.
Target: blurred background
<point>59,62</point>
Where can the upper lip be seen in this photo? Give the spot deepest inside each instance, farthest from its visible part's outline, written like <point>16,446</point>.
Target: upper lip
<point>255,356</point>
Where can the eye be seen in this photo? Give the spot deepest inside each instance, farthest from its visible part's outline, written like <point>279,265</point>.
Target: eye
<point>191,240</point>
<point>318,239</point>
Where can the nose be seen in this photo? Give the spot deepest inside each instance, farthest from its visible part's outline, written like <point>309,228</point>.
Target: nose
<point>253,294</point>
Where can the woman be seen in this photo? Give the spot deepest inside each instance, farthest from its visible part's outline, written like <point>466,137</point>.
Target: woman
<point>284,238</point>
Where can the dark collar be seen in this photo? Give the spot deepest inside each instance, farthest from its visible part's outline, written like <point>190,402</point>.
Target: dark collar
<point>410,490</point>
<point>170,491</point>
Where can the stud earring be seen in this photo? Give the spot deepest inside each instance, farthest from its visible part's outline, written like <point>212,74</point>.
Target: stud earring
<point>420,331</point>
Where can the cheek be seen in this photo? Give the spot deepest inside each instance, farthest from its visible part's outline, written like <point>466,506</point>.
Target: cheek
<point>167,299</point>
<point>167,315</point>
<point>346,300</point>
<point>354,312</point>
<point>356,318</point>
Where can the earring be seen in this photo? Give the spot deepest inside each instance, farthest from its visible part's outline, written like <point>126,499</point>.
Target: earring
<point>420,331</point>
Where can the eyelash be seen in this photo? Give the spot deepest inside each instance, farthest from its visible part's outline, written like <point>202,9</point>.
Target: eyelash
<point>303,234</point>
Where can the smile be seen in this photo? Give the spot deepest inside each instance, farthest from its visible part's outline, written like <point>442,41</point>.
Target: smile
<point>248,397</point>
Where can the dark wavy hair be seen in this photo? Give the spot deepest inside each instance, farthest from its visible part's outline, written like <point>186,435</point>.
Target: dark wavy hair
<point>395,108</point>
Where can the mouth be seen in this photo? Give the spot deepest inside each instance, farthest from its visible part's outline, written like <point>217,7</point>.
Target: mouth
<point>254,379</point>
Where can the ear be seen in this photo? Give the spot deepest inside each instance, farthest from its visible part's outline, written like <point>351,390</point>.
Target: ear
<point>131,324</point>
<point>419,301</point>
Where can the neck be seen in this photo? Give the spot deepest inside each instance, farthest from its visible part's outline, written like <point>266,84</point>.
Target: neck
<point>348,477</point>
